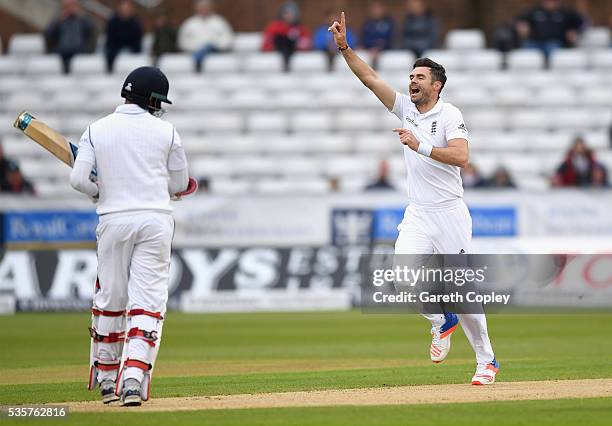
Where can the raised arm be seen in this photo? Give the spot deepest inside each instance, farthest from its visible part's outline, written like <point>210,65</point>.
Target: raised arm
<point>362,70</point>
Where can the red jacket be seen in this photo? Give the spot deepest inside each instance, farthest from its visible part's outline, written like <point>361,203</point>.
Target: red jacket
<point>568,175</point>
<point>297,32</point>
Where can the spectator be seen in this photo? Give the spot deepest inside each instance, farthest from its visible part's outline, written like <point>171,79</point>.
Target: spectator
<point>123,32</point>
<point>71,33</point>
<point>421,29</point>
<point>164,37</point>
<point>377,32</point>
<point>599,177</point>
<point>505,38</point>
<point>382,181</point>
<point>15,183</point>
<point>204,184</point>
<point>501,179</point>
<point>324,40</point>
<point>286,34</point>
<point>205,32</point>
<point>549,26</point>
<point>471,177</point>
<point>5,164</point>
<point>577,168</point>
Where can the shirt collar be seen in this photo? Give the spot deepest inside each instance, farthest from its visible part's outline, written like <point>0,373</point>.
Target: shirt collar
<point>129,109</point>
<point>436,109</point>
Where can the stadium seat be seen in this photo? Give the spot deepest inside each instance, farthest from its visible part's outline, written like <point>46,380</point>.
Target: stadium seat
<point>509,95</point>
<point>292,99</point>
<point>480,60</point>
<point>263,63</point>
<point>176,63</point>
<point>346,165</point>
<point>356,121</point>
<point>471,97</point>
<point>44,169</point>
<point>311,121</point>
<point>282,144</point>
<point>573,119</point>
<point>48,65</point>
<point>231,186</point>
<point>308,62</point>
<point>255,166</point>
<point>88,64</point>
<point>210,166</point>
<point>250,99</point>
<point>267,122</point>
<point>564,59</point>
<point>26,44</point>
<point>533,119</point>
<point>449,59</point>
<point>300,166</point>
<point>485,119</point>
<point>222,63</point>
<point>328,142</point>
<point>70,101</point>
<point>465,39</point>
<point>595,37</point>
<point>248,42</point>
<point>602,59</point>
<point>377,142</point>
<point>396,60</point>
<point>10,65</point>
<point>554,96</point>
<point>525,59</point>
<point>221,122</point>
<point>126,63</point>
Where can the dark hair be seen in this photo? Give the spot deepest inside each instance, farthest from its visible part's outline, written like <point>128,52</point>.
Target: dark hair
<point>438,73</point>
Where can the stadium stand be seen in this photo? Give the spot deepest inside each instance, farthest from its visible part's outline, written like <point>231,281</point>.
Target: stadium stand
<point>245,123</point>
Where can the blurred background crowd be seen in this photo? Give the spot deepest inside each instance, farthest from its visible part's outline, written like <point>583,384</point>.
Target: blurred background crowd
<point>556,38</point>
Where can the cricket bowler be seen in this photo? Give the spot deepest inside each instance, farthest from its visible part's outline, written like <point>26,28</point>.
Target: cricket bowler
<point>436,220</point>
<point>140,165</point>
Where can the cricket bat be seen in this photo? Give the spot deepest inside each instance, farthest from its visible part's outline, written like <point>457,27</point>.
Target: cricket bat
<point>48,138</point>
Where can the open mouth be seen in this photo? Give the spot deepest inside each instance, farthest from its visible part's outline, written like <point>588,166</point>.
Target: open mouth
<point>415,90</point>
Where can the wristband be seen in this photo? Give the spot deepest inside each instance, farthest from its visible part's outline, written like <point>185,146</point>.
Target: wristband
<point>342,49</point>
<point>425,149</point>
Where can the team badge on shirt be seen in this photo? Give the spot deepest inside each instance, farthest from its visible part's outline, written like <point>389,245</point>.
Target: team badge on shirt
<point>462,128</point>
<point>434,127</point>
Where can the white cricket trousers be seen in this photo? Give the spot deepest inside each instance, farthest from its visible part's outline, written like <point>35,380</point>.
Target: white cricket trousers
<point>445,230</point>
<point>134,251</point>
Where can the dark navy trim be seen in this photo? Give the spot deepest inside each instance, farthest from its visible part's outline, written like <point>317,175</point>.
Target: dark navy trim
<point>90,141</point>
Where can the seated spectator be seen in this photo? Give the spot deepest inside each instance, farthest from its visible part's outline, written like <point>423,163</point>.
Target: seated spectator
<point>286,34</point>
<point>599,177</point>
<point>471,177</point>
<point>164,37</point>
<point>71,33</point>
<point>15,183</point>
<point>577,168</point>
<point>501,179</point>
<point>549,26</point>
<point>377,32</point>
<point>204,33</point>
<point>421,30</point>
<point>323,39</point>
<point>123,33</point>
<point>382,182</point>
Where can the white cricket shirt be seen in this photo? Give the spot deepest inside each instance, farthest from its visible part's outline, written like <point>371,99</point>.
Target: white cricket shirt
<point>430,183</point>
<point>133,152</point>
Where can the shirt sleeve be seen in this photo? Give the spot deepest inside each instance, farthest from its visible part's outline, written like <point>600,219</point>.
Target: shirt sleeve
<point>176,159</point>
<point>454,125</point>
<point>400,105</point>
<point>86,150</point>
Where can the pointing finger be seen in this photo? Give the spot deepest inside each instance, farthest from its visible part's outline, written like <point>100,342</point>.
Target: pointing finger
<point>342,20</point>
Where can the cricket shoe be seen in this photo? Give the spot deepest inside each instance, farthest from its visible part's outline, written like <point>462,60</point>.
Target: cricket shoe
<point>131,393</point>
<point>107,390</point>
<point>441,338</point>
<point>485,373</point>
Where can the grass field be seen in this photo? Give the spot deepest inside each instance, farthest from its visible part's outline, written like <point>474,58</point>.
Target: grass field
<point>44,359</point>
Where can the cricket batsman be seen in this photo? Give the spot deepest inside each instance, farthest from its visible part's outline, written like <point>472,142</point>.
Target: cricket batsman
<point>437,220</point>
<point>140,166</point>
